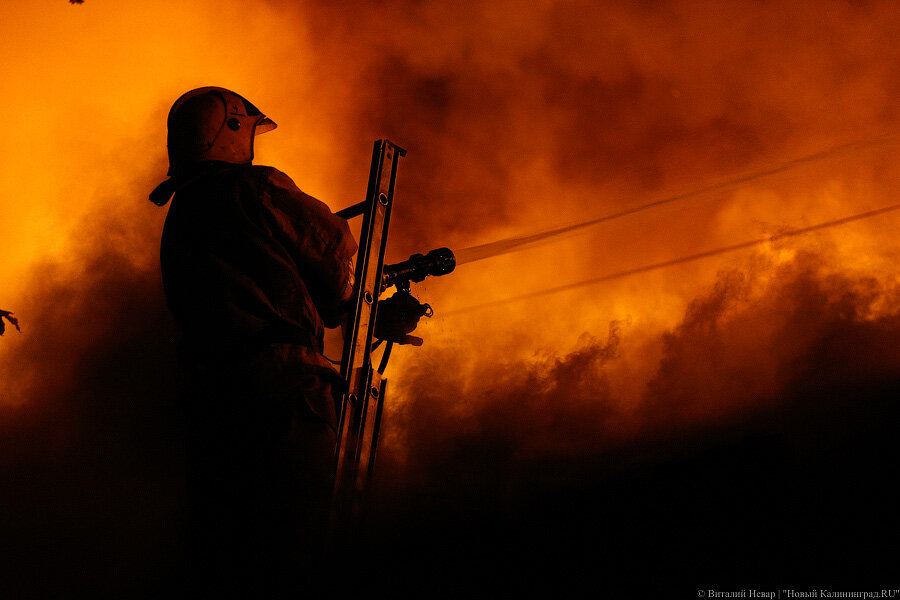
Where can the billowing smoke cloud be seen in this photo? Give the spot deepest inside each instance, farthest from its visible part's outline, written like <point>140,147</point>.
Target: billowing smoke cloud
<point>749,346</point>
<point>768,416</point>
<point>90,450</point>
<point>515,428</point>
<point>600,100</point>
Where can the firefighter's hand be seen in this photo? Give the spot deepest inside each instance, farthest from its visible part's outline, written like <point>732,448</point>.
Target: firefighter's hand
<point>397,317</point>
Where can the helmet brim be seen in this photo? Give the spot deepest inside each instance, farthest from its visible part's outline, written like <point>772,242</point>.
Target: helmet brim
<point>266,124</point>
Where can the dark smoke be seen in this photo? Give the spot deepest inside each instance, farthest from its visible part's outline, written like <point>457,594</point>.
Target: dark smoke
<point>623,98</point>
<point>91,459</point>
<point>757,450</point>
<point>757,338</point>
<point>769,417</point>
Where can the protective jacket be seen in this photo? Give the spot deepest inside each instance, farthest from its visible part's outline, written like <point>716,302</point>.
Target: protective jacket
<point>252,269</point>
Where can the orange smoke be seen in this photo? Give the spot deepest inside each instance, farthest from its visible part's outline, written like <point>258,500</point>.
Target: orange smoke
<point>518,118</point>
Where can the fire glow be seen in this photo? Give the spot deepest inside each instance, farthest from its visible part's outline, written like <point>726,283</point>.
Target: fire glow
<point>517,119</point>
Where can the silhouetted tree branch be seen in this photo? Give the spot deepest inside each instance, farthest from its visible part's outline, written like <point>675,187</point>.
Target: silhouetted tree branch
<point>5,314</point>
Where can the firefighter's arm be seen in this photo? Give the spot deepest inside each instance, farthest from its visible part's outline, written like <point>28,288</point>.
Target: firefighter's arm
<point>319,242</point>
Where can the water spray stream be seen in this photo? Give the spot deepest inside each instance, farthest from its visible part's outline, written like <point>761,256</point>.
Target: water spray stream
<point>681,260</point>
<point>514,244</point>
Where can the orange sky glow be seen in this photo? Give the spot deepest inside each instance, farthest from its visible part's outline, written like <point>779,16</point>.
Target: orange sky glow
<point>517,118</point>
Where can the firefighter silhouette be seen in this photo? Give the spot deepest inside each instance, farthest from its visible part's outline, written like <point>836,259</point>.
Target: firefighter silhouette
<point>253,270</point>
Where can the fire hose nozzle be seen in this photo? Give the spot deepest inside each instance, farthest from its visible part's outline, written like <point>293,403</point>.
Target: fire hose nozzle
<point>439,261</point>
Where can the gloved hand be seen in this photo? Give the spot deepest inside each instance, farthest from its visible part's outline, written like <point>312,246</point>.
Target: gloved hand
<point>398,316</point>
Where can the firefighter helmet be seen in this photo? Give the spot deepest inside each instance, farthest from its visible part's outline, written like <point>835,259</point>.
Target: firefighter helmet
<point>212,123</point>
